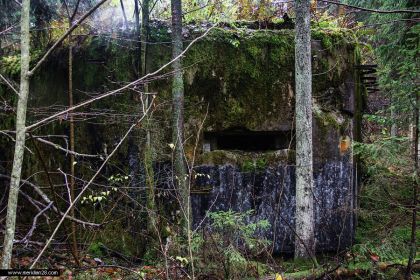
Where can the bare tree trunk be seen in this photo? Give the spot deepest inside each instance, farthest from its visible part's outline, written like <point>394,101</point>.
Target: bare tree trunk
<point>138,36</point>
<point>413,246</point>
<point>178,114</point>
<point>124,15</point>
<point>20,137</point>
<point>72,159</point>
<point>394,128</point>
<point>148,153</point>
<point>305,241</point>
<point>71,132</point>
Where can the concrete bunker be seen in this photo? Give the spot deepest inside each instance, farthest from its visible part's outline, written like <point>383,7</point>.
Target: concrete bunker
<point>246,90</point>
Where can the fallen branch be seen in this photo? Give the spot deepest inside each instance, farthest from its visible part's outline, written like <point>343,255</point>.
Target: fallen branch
<point>372,10</point>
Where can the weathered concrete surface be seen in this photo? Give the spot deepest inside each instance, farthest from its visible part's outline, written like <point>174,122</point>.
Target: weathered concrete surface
<point>271,194</point>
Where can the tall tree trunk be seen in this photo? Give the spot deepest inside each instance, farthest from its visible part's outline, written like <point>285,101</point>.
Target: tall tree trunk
<point>178,114</point>
<point>394,127</point>
<point>138,37</point>
<point>148,152</point>
<point>413,246</point>
<point>71,131</point>
<point>20,136</point>
<point>304,242</point>
<point>72,159</point>
<point>124,15</point>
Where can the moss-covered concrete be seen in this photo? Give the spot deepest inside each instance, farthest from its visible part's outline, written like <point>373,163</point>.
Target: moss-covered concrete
<point>233,78</point>
<point>248,161</point>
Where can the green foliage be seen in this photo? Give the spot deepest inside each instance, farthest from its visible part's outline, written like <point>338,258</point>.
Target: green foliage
<point>384,156</point>
<point>254,165</point>
<point>10,65</point>
<point>231,243</point>
<point>96,249</point>
<point>393,246</point>
<point>378,119</point>
<point>395,44</point>
<point>383,220</point>
<point>327,30</point>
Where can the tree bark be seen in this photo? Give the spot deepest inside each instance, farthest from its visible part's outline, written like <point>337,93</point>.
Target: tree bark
<point>412,254</point>
<point>124,15</point>
<point>148,153</point>
<point>72,143</point>
<point>304,243</point>
<point>178,115</point>
<point>394,127</point>
<point>20,137</point>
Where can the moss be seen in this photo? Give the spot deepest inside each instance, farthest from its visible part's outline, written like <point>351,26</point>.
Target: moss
<point>10,65</point>
<point>250,91</point>
<point>254,51</point>
<point>329,119</point>
<point>250,165</point>
<point>332,37</point>
<point>244,77</point>
<point>218,157</point>
<point>247,161</point>
<point>241,92</point>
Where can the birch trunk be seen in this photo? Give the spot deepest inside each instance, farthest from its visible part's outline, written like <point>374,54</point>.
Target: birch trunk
<point>20,137</point>
<point>304,242</point>
<point>178,114</point>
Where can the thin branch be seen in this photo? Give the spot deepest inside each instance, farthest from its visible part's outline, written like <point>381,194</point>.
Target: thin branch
<point>64,36</point>
<point>372,10</point>
<point>74,11</point>
<point>58,147</point>
<point>67,8</point>
<point>7,29</point>
<point>76,199</point>
<point>35,204</point>
<point>17,2</point>
<point>122,88</point>
<point>33,227</point>
<point>47,200</point>
<point>9,84</point>
<point>13,140</point>
<point>124,15</point>
<point>388,22</point>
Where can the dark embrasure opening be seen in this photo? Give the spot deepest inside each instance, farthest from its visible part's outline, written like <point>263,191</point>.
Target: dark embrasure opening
<point>246,140</point>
